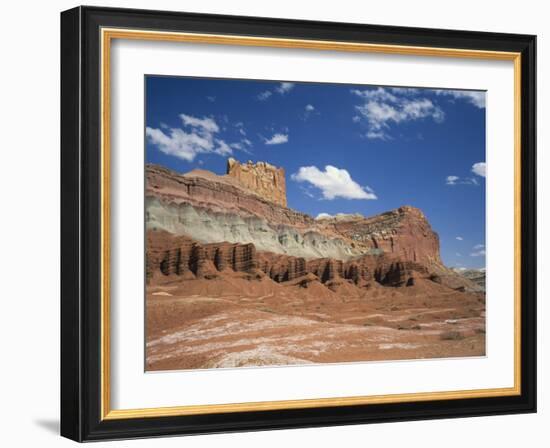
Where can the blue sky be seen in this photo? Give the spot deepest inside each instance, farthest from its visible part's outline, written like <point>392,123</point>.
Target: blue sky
<point>345,148</point>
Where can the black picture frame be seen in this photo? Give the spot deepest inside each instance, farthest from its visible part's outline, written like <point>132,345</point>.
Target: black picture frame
<point>81,224</point>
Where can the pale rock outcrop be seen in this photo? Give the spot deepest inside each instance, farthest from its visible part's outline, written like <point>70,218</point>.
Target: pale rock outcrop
<point>263,178</point>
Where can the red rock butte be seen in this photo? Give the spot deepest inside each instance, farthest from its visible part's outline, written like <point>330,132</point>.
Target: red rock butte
<point>265,179</point>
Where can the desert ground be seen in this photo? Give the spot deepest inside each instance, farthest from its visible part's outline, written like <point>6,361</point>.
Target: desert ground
<point>240,323</point>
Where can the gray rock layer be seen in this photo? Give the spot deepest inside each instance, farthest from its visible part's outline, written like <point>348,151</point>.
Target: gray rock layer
<point>207,226</point>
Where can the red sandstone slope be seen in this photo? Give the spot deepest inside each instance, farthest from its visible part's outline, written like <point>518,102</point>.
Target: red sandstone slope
<point>178,258</point>
<point>404,232</point>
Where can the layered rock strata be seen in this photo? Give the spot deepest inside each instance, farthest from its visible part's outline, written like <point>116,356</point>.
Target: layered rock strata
<point>394,248</point>
<point>174,258</point>
<point>211,208</point>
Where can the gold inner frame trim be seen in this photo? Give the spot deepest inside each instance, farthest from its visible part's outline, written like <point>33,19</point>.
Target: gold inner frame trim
<point>107,35</point>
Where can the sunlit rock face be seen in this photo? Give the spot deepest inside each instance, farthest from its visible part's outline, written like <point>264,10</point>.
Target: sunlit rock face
<point>265,179</point>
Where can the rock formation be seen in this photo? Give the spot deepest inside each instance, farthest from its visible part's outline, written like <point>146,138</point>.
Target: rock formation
<point>219,216</point>
<point>176,258</point>
<point>404,232</point>
<point>266,180</point>
<point>211,208</point>
<point>182,258</point>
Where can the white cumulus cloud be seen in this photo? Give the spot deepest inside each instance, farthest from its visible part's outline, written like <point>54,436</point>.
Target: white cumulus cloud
<point>206,124</point>
<point>309,110</point>
<point>277,139</point>
<point>459,238</point>
<point>224,149</point>
<point>478,250</point>
<point>196,136</point>
<point>333,182</point>
<point>479,168</point>
<point>451,180</point>
<point>262,96</point>
<point>285,87</point>
<point>381,108</point>
<point>282,89</point>
<point>478,253</point>
<point>474,97</point>
<point>457,180</point>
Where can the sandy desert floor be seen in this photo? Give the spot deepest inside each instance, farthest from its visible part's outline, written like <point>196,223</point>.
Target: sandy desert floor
<point>211,324</point>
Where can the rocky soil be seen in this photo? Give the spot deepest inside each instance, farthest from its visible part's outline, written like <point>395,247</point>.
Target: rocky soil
<point>238,321</point>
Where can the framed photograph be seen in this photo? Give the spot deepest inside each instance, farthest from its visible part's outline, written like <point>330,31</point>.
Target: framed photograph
<point>277,224</point>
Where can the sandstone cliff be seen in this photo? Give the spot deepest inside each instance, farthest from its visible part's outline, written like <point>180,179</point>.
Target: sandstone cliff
<point>404,232</point>
<point>211,208</point>
<point>266,180</point>
<point>172,257</point>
